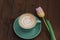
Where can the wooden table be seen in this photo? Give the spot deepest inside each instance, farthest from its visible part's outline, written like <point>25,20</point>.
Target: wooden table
<point>11,9</point>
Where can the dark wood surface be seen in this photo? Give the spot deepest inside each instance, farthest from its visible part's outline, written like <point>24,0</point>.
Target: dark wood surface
<point>11,9</point>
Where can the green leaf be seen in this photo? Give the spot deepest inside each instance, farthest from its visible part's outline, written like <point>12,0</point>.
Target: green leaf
<point>51,30</point>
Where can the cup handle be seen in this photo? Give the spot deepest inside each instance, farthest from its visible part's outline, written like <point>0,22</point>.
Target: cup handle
<point>38,21</point>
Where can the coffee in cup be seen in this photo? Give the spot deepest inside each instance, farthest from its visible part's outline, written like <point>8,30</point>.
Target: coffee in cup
<point>27,21</point>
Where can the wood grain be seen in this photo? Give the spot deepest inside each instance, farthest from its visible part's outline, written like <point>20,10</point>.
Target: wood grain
<point>11,9</point>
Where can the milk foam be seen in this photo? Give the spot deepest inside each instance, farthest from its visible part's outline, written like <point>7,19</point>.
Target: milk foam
<point>27,21</point>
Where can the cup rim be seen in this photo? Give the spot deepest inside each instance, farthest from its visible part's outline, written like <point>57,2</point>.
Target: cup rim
<point>33,25</point>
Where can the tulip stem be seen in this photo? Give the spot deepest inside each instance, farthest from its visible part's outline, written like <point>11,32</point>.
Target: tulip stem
<point>45,23</point>
<point>50,29</point>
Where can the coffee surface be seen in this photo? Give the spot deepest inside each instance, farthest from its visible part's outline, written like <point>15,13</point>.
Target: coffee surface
<point>27,21</point>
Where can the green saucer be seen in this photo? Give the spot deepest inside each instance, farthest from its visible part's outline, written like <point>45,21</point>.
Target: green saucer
<point>22,33</point>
